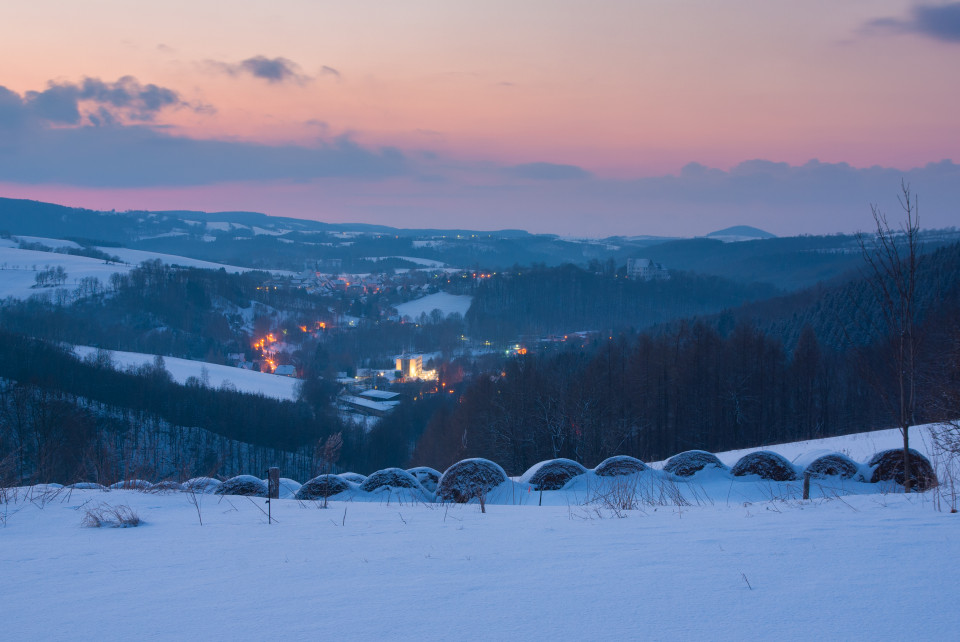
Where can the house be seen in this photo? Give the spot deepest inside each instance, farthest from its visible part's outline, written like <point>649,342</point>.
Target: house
<point>286,371</point>
<point>646,270</point>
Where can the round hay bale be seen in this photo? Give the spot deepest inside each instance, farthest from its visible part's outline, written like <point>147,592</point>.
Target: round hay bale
<point>832,465</point>
<point>469,479</point>
<point>353,478</point>
<point>167,486</point>
<point>392,477</point>
<point>288,488</point>
<point>428,477</point>
<point>768,465</point>
<point>86,486</point>
<point>132,484</point>
<point>691,462</point>
<point>322,486</point>
<point>203,485</point>
<point>247,485</point>
<point>619,465</point>
<point>552,474</point>
<point>888,466</point>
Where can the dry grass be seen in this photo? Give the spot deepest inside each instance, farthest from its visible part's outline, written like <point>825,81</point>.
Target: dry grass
<point>107,516</point>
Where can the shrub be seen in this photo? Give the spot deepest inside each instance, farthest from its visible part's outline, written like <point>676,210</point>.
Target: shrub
<point>888,466</point>
<point>688,463</point>
<point>619,465</point>
<point>469,479</point>
<point>247,485</point>
<point>768,465</point>
<point>322,486</point>
<point>832,465</point>
<point>552,474</point>
<point>392,477</point>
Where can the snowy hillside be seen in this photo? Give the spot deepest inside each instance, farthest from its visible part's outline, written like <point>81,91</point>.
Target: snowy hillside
<point>218,375</point>
<point>18,270</point>
<point>445,302</point>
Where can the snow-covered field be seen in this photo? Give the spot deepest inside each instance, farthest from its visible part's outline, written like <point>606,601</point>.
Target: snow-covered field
<point>18,270</point>
<point>444,301</point>
<point>753,563</point>
<point>136,257</point>
<point>263,383</point>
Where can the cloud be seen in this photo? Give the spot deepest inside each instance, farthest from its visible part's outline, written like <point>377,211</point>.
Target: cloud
<point>940,22</point>
<point>546,171</point>
<point>92,100</point>
<point>273,70</point>
<point>329,71</point>
<point>46,138</point>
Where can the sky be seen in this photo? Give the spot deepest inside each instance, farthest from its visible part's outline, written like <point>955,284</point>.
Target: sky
<point>587,119</point>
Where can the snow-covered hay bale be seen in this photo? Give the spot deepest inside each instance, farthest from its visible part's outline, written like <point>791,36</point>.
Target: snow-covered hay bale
<point>243,485</point>
<point>619,465</point>
<point>888,466</point>
<point>469,479</point>
<point>353,478</point>
<point>322,486</point>
<point>832,465</point>
<point>167,486</point>
<point>392,477</point>
<point>288,488</point>
<point>203,485</point>
<point>428,477</point>
<point>691,462</point>
<point>132,484</point>
<point>86,486</point>
<point>766,464</point>
<point>552,474</point>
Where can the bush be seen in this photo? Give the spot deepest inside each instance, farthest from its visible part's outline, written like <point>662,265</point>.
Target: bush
<point>428,477</point>
<point>888,466</point>
<point>469,479</point>
<point>392,477</point>
<point>768,465</point>
<point>552,475</point>
<point>619,465</point>
<point>322,486</point>
<point>246,485</point>
<point>688,463</point>
<point>832,465</point>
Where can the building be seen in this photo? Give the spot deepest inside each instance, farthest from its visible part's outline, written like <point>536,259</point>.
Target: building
<point>646,270</point>
<point>286,371</point>
<point>410,367</point>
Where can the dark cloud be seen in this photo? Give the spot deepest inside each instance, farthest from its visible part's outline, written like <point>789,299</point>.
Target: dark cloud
<point>273,70</point>
<point>940,22</point>
<point>546,171</point>
<point>99,101</point>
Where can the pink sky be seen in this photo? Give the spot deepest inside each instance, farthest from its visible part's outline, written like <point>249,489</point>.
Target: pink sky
<point>624,90</point>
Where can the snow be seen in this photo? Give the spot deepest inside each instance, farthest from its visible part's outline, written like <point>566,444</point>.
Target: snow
<point>444,301</point>
<point>412,259</point>
<point>742,560</point>
<point>18,270</point>
<point>51,243</point>
<point>268,385</point>
<point>803,571</point>
<point>136,257</point>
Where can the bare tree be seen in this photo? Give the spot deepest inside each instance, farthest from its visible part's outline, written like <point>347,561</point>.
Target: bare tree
<point>892,257</point>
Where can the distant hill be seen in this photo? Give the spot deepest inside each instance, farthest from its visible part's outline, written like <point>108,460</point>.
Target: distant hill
<point>740,233</point>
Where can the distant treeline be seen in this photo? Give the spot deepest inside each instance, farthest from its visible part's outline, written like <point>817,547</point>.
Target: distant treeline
<point>544,300</point>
